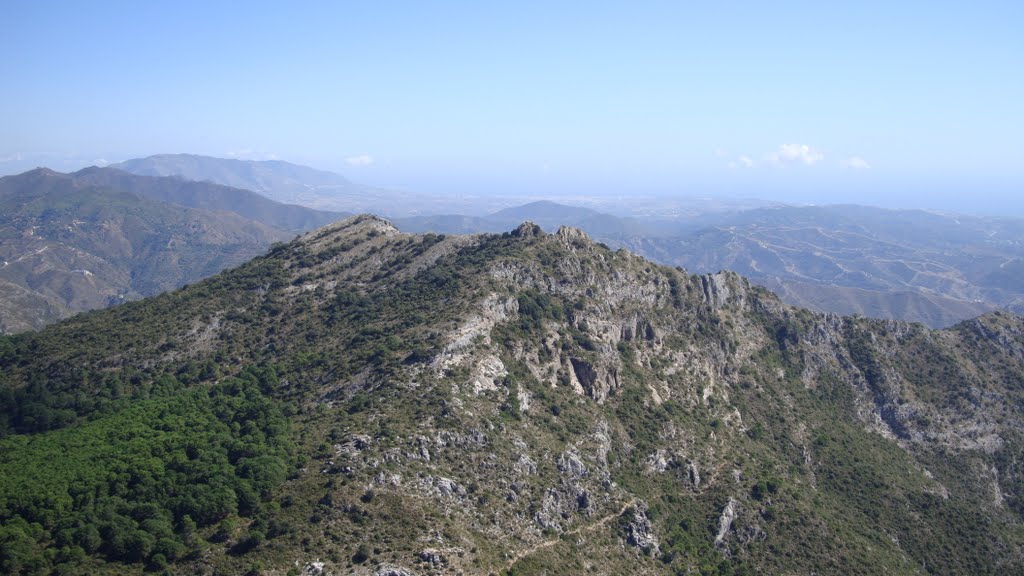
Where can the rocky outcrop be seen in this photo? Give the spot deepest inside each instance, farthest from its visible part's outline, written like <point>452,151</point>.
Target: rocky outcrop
<point>725,521</point>
<point>596,382</point>
<point>527,230</point>
<point>639,532</point>
<point>540,436</point>
<point>723,289</point>
<point>570,464</point>
<point>314,568</point>
<point>638,328</point>
<point>433,557</point>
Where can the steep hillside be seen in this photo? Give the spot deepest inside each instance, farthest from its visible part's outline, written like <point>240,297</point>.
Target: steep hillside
<point>927,308</point>
<point>67,246</point>
<point>209,196</point>
<point>281,181</point>
<point>524,403</point>
<point>284,182</point>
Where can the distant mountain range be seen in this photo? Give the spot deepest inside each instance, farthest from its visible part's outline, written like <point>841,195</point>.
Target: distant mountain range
<point>911,265</point>
<point>546,214</point>
<point>75,242</point>
<point>907,264</point>
<point>296,184</point>
<point>211,196</point>
<point>274,179</point>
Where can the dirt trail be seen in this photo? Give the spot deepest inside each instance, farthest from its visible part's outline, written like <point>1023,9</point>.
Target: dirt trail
<point>588,528</point>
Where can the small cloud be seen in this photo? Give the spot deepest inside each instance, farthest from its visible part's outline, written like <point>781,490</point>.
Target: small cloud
<point>796,153</point>
<point>856,163</point>
<point>100,162</point>
<point>245,152</point>
<point>361,160</point>
<point>742,161</point>
<point>16,157</point>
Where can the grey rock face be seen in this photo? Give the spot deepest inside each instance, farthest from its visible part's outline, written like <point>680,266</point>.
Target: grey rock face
<point>432,557</point>
<point>597,381</point>
<point>725,521</point>
<point>570,464</point>
<point>314,568</point>
<point>640,532</point>
<point>527,230</point>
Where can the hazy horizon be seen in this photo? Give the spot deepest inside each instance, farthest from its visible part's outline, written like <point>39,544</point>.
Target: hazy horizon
<point>910,106</point>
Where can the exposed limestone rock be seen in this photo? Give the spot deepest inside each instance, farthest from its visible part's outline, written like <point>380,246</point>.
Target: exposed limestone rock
<point>492,309</point>
<point>314,568</point>
<point>473,438</point>
<point>527,230</point>
<point>433,557</point>
<point>638,328</point>
<point>570,234</point>
<point>445,487</point>
<point>601,436</point>
<point>551,512</point>
<point>525,466</point>
<point>597,381</point>
<point>574,382</point>
<point>422,448</point>
<point>353,445</point>
<point>694,475</point>
<point>569,463</point>
<point>640,532</point>
<point>724,288</point>
<point>725,521</point>
<point>660,461</point>
<point>524,397</point>
<point>384,479</point>
<point>489,370</point>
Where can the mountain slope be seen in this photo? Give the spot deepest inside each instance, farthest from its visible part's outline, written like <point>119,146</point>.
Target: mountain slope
<point>68,246</point>
<point>278,180</point>
<point>209,196</point>
<point>929,309</point>
<point>951,267</point>
<point>281,181</point>
<point>894,264</point>
<point>521,403</point>
<point>548,215</point>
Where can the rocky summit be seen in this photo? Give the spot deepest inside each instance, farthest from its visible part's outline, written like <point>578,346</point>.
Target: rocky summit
<point>362,401</point>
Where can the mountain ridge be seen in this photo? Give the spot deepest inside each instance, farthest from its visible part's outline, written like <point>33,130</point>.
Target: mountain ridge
<point>844,259</point>
<point>276,179</point>
<point>73,242</point>
<point>460,403</point>
<point>211,196</point>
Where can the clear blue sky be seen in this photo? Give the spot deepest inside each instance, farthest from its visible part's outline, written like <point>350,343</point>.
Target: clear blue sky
<point>906,103</point>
